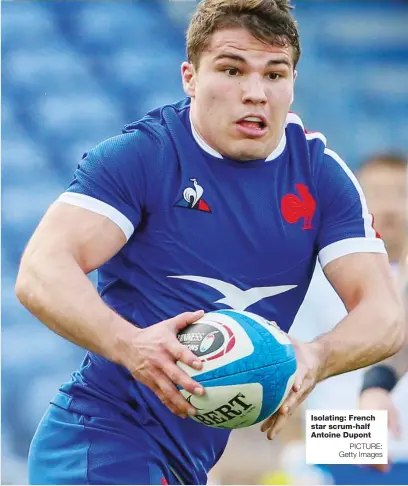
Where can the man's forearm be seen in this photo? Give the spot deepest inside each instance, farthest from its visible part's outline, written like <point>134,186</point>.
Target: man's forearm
<point>55,289</point>
<point>388,373</point>
<point>399,362</point>
<point>370,333</point>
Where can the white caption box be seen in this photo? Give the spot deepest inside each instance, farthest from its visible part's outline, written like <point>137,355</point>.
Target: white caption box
<point>346,437</point>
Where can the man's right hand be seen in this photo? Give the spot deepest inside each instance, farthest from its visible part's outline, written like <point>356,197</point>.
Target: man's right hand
<point>151,358</point>
<point>380,399</point>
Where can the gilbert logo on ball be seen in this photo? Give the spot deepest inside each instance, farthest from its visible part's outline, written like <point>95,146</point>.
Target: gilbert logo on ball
<point>249,367</point>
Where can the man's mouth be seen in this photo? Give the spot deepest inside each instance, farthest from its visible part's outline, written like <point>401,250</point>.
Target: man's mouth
<point>252,122</point>
<point>253,125</point>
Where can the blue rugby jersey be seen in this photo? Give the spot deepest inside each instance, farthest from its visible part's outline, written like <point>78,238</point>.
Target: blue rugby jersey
<point>208,232</point>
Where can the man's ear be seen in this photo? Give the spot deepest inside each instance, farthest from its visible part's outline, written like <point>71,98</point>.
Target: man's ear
<point>188,75</point>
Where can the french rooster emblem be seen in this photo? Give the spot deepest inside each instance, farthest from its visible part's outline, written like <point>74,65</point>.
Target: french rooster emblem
<point>192,198</point>
<point>294,208</point>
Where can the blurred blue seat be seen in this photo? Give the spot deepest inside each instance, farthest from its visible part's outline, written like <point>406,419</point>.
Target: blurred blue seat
<point>66,117</point>
<point>8,264</point>
<point>401,133</point>
<point>363,34</point>
<point>26,25</point>
<point>14,465</point>
<point>105,25</point>
<point>384,91</point>
<point>138,72</point>
<point>371,135</point>
<point>11,127</point>
<point>12,312</point>
<point>24,205</point>
<point>42,72</point>
<point>179,12</point>
<point>34,355</point>
<point>24,162</point>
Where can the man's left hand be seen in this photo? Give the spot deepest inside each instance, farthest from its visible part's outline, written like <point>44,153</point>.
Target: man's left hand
<point>309,365</point>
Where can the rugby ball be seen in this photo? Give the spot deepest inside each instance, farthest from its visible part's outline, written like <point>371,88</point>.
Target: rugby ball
<point>249,367</point>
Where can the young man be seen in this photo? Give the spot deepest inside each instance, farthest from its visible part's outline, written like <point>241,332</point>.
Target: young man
<point>381,380</point>
<point>383,180</point>
<point>225,188</point>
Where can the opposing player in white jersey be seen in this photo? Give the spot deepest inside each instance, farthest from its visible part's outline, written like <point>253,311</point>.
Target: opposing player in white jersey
<point>383,180</point>
<point>220,200</point>
<point>385,385</point>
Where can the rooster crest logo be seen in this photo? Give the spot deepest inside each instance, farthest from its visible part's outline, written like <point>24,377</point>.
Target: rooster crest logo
<point>295,208</point>
<point>192,198</point>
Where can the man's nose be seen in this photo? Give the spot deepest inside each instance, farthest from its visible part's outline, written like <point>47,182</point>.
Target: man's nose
<point>254,90</point>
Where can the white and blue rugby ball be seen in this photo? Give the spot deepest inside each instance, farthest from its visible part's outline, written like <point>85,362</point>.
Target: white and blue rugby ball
<point>249,367</point>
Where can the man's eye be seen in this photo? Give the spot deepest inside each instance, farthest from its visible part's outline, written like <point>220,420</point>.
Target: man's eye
<point>274,76</point>
<point>232,71</point>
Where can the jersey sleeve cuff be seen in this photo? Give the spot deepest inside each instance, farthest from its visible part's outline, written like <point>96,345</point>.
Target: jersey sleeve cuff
<point>99,207</point>
<point>349,246</point>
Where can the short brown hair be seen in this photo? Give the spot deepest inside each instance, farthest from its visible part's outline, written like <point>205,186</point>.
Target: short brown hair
<point>269,21</point>
<point>387,159</point>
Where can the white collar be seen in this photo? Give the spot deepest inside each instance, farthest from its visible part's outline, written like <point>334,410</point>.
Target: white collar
<point>204,145</point>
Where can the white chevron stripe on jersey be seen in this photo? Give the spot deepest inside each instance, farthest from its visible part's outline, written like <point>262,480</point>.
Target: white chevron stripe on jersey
<point>234,297</point>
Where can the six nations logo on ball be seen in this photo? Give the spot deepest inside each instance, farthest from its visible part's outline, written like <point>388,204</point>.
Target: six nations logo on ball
<point>208,341</point>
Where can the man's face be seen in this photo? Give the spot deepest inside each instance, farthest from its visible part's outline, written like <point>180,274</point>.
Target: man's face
<point>240,77</point>
<point>385,189</point>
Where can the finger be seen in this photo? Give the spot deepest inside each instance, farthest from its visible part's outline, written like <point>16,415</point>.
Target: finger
<point>292,401</point>
<point>150,381</point>
<point>159,383</point>
<point>297,385</point>
<point>268,423</point>
<point>172,398</point>
<point>179,377</point>
<point>289,404</point>
<point>299,378</point>
<point>277,426</point>
<point>281,416</point>
<point>283,410</point>
<point>165,401</point>
<point>182,320</point>
<point>179,352</point>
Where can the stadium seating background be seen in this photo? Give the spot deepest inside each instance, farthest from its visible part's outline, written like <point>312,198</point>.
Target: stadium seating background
<point>74,72</point>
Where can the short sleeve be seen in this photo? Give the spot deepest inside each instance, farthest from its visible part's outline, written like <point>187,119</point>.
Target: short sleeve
<point>346,225</point>
<point>110,180</point>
